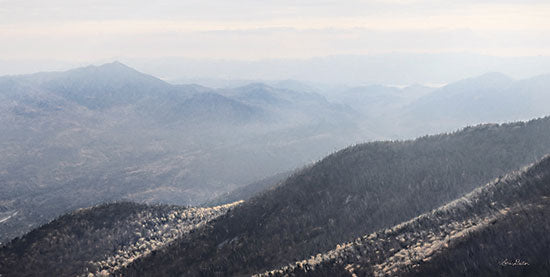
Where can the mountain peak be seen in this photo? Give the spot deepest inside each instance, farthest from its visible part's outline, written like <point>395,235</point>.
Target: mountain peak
<point>111,72</point>
<point>497,76</point>
<point>105,85</point>
<point>114,64</point>
<point>113,67</point>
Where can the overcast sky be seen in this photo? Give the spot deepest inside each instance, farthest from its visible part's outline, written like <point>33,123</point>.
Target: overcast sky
<point>79,30</point>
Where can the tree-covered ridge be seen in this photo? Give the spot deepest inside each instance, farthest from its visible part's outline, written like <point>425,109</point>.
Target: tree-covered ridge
<point>246,192</point>
<point>350,193</point>
<point>421,244</point>
<point>99,240</point>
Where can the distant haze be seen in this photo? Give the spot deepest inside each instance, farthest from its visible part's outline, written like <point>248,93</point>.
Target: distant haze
<point>398,69</point>
<point>75,33</point>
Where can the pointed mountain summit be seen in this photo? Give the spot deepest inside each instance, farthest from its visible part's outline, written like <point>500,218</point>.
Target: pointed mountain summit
<point>115,68</point>
<point>104,86</point>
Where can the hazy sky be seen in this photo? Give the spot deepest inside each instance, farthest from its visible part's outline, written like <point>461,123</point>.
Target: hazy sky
<point>79,30</point>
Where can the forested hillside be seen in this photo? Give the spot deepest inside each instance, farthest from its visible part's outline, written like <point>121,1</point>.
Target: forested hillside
<point>246,192</point>
<point>350,193</point>
<point>101,239</point>
<point>105,133</point>
<point>500,229</point>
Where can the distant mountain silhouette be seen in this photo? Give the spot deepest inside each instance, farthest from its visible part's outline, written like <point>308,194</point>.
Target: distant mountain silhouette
<point>492,97</point>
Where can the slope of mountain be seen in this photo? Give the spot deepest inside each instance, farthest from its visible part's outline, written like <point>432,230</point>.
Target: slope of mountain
<point>492,97</point>
<point>116,85</point>
<point>103,133</point>
<point>500,229</point>
<point>464,97</point>
<point>105,86</point>
<point>101,239</point>
<point>374,101</point>
<point>370,100</point>
<point>353,192</point>
<point>294,85</point>
<point>380,107</point>
<point>206,108</point>
<point>246,192</point>
<point>526,97</point>
<point>301,107</point>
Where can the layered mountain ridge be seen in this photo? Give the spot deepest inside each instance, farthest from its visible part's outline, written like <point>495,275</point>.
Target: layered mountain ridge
<point>496,230</point>
<point>353,192</point>
<point>104,133</point>
<point>366,199</point>
<point>100,134</point>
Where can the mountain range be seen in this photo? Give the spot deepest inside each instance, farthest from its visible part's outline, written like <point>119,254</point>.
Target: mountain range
<point>356,191</point>
<point>78,138</point>
<point>448,204</point>
<point>492,97</point>
<point>106,133</point>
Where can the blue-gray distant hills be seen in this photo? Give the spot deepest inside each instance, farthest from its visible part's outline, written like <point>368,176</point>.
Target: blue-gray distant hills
<point>492,97</point>
<point>101,133</point>
<point>95,134</point>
